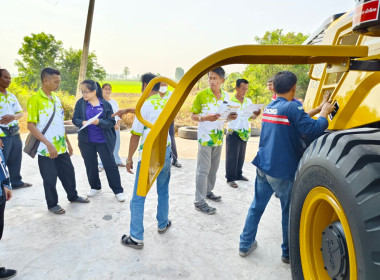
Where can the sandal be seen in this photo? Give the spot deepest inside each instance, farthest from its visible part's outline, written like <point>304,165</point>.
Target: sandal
<point>57,210</point>
<point>81,200</point>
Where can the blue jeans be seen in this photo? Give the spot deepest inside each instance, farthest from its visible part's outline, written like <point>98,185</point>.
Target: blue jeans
<point>264,188</point>
<point>137,202</point>
<point>115,151</point>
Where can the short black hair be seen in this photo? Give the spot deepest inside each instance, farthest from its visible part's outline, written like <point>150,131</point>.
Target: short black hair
<point>48,71</point>
<point>1,71</point>
<point>219,71</point>
<point>240,81</point>
<point>284,81</point>
<point>147,77</point>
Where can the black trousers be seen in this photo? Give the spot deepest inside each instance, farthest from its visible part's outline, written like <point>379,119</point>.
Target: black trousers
<point>173,145</point>
<point>2,208</point>
<point>60,167</point>
<point>90,153</point>
<point>235,155</point>
<point>13,155</point>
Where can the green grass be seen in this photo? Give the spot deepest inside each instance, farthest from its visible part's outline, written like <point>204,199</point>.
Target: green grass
<point>119,86</point>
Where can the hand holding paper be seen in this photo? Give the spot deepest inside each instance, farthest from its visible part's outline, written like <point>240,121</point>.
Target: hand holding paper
<point>248,111</point>
<point>90,121</point>
<point>227,109</point>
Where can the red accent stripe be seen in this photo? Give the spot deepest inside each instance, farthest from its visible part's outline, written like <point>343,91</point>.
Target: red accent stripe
<point>275,116</point>
<point>276,122</point>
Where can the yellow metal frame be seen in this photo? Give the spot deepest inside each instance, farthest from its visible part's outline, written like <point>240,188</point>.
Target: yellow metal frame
<point>320,209</point>
<point>155,144</point>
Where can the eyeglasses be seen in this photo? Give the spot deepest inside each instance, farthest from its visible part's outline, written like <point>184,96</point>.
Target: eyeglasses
<point>86,92</point>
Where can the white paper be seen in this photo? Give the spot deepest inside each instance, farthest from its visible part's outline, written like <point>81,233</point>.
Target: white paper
<point>90,121</point>
<point>226,108</point>
<point>248,111</point>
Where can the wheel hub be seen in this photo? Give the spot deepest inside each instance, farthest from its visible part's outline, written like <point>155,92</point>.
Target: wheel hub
<point>334,251</point>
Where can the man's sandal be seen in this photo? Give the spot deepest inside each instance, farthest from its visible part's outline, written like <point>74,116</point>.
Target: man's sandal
<point>57,210</point>
<point>81,200</point>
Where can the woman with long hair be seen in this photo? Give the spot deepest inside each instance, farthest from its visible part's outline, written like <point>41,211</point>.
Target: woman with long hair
<point>99,137</point>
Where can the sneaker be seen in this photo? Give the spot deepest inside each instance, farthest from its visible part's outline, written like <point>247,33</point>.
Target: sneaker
<point>206,209</point>
<point>126,240</point>
<point>250,250</point>
<point>93,192</point>
<point>162,230</point>
<point>232,184</point>
<point>243,178</point>
<point>214,197</point>
<point>120,197</point>
<point>285,259</point>
<point>7,273</point>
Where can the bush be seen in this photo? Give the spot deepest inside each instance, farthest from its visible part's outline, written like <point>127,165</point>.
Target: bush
<point>23,93</point>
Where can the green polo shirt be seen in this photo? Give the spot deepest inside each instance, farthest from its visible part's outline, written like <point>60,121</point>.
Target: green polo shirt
<point>242,125</point>
<point>40,109</point>
<point>209,133</point>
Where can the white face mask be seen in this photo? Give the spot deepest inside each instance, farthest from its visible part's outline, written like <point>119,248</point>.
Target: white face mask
<point>163,89</point>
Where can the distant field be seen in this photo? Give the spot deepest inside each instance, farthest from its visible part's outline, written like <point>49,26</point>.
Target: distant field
<point>119,86</point>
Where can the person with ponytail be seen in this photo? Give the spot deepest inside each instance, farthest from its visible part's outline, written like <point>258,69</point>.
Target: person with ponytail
<point>99,137</point>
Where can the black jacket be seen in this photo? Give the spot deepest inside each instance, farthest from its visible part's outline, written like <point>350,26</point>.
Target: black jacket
<point>107,123</point>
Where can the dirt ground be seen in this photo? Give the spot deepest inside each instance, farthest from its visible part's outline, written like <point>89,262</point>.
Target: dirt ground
<point>84,243</point>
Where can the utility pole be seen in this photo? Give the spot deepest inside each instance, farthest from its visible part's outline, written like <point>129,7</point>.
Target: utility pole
<point>86,45</point>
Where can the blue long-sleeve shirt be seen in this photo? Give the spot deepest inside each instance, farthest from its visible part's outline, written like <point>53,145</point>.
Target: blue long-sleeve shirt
<point>6,183</point>
<point>280,148</point>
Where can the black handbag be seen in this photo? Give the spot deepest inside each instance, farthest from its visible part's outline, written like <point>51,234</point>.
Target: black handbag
<point>10,130</point>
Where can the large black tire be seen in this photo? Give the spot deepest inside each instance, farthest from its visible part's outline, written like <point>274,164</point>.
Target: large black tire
<point>346,163</point>
<point>188,132</point>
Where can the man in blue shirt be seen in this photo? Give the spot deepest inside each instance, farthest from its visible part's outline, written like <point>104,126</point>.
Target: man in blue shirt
<point>280,149</point>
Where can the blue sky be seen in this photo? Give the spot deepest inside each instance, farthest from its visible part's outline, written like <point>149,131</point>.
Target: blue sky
<point>158,36</point>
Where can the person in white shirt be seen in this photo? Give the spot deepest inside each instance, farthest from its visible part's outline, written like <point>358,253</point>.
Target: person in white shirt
<point>165,94</point>
<point>107,91</point>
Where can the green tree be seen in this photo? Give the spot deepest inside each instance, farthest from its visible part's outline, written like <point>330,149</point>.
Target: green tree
<point>258,74</point>
<point>38,51</point>
<point>179,72</point>
<point>230,83</point>
<point>126,72</point>
<point>69,68</point>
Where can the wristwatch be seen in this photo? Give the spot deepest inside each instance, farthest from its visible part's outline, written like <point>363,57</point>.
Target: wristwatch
<point>200,118</point>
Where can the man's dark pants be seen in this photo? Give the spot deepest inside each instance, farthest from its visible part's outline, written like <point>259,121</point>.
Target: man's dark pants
<point>173,145</point>
<point>235,155</point>
<point>60,167</point>
<point>2,207</point>
<point>13,155</point>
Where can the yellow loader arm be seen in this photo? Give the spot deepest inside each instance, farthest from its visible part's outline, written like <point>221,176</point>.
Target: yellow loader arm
<point>153,156</point>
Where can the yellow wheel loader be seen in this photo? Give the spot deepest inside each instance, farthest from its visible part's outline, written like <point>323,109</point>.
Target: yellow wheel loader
<point>334,228</point>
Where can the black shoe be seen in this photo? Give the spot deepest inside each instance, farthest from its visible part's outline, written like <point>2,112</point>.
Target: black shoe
<point>23,185</point>
<point>206,209</point>
<point>285,259</point>
<point>243,178</point>
<point>126,240</point>
<point>214,197</point>
<point>162,230</point>
<point>7,273</point>
<point>177,164</point>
